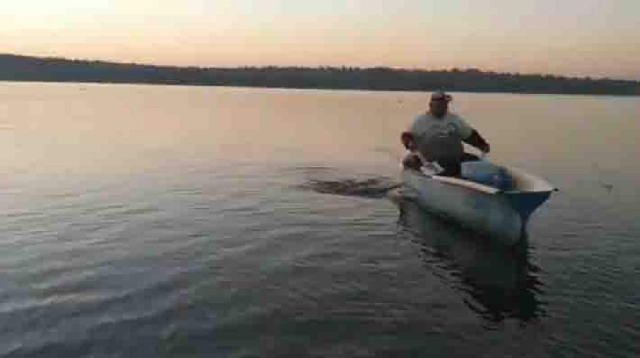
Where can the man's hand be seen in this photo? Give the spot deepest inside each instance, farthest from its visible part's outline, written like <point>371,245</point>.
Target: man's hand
<point>412,161</point>
<point>408,141</point>
<point>476,140</point>
<point>485,147</point>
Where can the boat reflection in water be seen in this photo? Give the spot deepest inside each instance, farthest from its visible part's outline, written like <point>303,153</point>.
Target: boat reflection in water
<point>498,282</point>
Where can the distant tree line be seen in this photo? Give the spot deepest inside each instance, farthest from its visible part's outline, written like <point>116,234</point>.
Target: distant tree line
<point>23,68</point>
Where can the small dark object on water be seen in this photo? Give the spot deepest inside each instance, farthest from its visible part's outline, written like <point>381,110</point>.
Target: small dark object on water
<point>607,186</point>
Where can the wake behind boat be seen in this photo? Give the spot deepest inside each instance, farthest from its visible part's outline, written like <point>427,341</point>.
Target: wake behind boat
<point>493,208</point>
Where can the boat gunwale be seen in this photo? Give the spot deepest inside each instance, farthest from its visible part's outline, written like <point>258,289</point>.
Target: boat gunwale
<point>535,183</point>
<point>466,184</point>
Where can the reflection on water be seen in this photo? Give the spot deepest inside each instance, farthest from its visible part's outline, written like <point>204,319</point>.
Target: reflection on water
<point>498,283</point>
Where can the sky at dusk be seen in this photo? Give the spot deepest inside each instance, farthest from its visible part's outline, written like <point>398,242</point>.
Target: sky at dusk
<point>571,37</point>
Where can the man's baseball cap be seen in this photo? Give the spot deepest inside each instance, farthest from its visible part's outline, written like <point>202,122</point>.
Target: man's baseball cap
<point>440,96</point>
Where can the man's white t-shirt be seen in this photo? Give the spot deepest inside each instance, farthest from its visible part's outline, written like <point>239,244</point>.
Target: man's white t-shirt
<point>440,138</point>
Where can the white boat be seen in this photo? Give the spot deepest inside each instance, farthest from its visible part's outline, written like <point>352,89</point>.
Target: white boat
<point>500,214</point>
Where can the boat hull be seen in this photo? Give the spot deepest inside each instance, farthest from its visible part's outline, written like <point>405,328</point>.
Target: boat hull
<point>501,215</point>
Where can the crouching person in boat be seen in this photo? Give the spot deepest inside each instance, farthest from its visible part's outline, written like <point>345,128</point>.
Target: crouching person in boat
<point>437,135</point>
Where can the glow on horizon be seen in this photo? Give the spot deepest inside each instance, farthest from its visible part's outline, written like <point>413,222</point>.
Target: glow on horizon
<point>573,37</point>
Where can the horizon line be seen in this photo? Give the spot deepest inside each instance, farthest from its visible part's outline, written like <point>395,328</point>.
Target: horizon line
<point>393,68</point>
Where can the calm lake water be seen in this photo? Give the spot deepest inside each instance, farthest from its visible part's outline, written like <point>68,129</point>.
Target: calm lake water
<point>150,221</point>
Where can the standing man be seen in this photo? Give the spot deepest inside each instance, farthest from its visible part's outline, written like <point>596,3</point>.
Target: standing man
<point>437,136</point>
